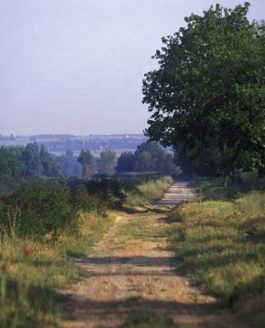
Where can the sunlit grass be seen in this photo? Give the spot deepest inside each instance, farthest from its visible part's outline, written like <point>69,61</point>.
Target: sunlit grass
<point>221,246</point>
<point>149,191</point>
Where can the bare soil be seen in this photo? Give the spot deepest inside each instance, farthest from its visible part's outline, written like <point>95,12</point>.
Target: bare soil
<point>131,269</point>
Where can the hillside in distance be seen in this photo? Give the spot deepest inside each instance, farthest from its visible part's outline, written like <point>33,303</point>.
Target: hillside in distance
<point>59,144</point>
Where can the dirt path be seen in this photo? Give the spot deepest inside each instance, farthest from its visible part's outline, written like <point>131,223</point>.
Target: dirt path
<point>131,271</point>
<point>177,193</point>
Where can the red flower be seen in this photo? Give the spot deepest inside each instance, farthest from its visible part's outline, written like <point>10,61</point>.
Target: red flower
<point>26,250</point>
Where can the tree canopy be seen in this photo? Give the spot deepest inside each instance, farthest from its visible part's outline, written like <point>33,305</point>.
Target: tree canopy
<point>208,94</point>
<point>85,157</point>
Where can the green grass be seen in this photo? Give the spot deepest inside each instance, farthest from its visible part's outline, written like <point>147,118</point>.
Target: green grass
<point>139,228</point>
<point>220,245</point>
<point>148,191</point>
<point>32,301</point>
<point>147,318</point>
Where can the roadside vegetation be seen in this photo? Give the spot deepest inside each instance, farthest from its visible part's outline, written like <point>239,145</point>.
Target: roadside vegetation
<point>43,226</point>
<point>219,242</point>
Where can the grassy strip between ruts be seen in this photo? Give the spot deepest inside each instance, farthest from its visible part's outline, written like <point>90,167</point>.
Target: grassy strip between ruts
<point>145,193</point>
<point>220,245</point>
<point>31,271</point>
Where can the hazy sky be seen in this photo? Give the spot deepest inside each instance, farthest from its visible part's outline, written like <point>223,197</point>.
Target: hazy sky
<point>76,66</point>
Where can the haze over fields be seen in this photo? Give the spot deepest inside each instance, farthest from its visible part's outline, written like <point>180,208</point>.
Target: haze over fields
<point>77,66</point>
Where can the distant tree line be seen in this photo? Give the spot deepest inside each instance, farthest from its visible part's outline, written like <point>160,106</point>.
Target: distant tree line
<point>25,163</point>
<point>149,157</point>
<point>33,162</point>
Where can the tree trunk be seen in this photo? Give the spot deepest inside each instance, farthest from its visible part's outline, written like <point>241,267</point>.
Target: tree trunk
<point>225,181</point>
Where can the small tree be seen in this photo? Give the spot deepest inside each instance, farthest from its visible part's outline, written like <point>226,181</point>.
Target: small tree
<point>125,162</point>
<point>85,158</point>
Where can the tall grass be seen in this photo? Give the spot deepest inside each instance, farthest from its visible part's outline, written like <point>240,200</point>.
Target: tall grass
<point>220,244</point>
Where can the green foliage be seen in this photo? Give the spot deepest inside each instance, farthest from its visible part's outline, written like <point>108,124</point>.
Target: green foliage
<point>107,162</point>
<point>85,157</point>
<point>9,162</point>
<point>8,184</point>
<point>19,163</point>
<point>149,157</point>
<point>49,165</point>
<point>37,161</point>
<point>86,200</point>
<point>213,188</point>
<point>207,97</point>
<point>36,210</point>
<point>125,162</point>
<point>110,192</point>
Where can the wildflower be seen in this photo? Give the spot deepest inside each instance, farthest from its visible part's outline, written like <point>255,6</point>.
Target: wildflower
<point>26,250</point>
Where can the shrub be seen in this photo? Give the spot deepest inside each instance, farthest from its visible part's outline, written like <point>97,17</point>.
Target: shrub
<point>109,191</point>
<point>83,201</point>
<point>36,210</point>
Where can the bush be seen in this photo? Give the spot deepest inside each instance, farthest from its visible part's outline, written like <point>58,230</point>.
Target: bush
<point>36,210</point>
<point>111,192</point>
<point>83,201</point>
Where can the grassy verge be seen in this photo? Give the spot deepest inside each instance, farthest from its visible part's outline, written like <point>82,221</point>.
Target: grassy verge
<point>32,270</point>
<point>220,245</point>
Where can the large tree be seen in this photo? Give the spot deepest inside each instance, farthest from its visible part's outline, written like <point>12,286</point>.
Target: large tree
<point>208,92</point>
